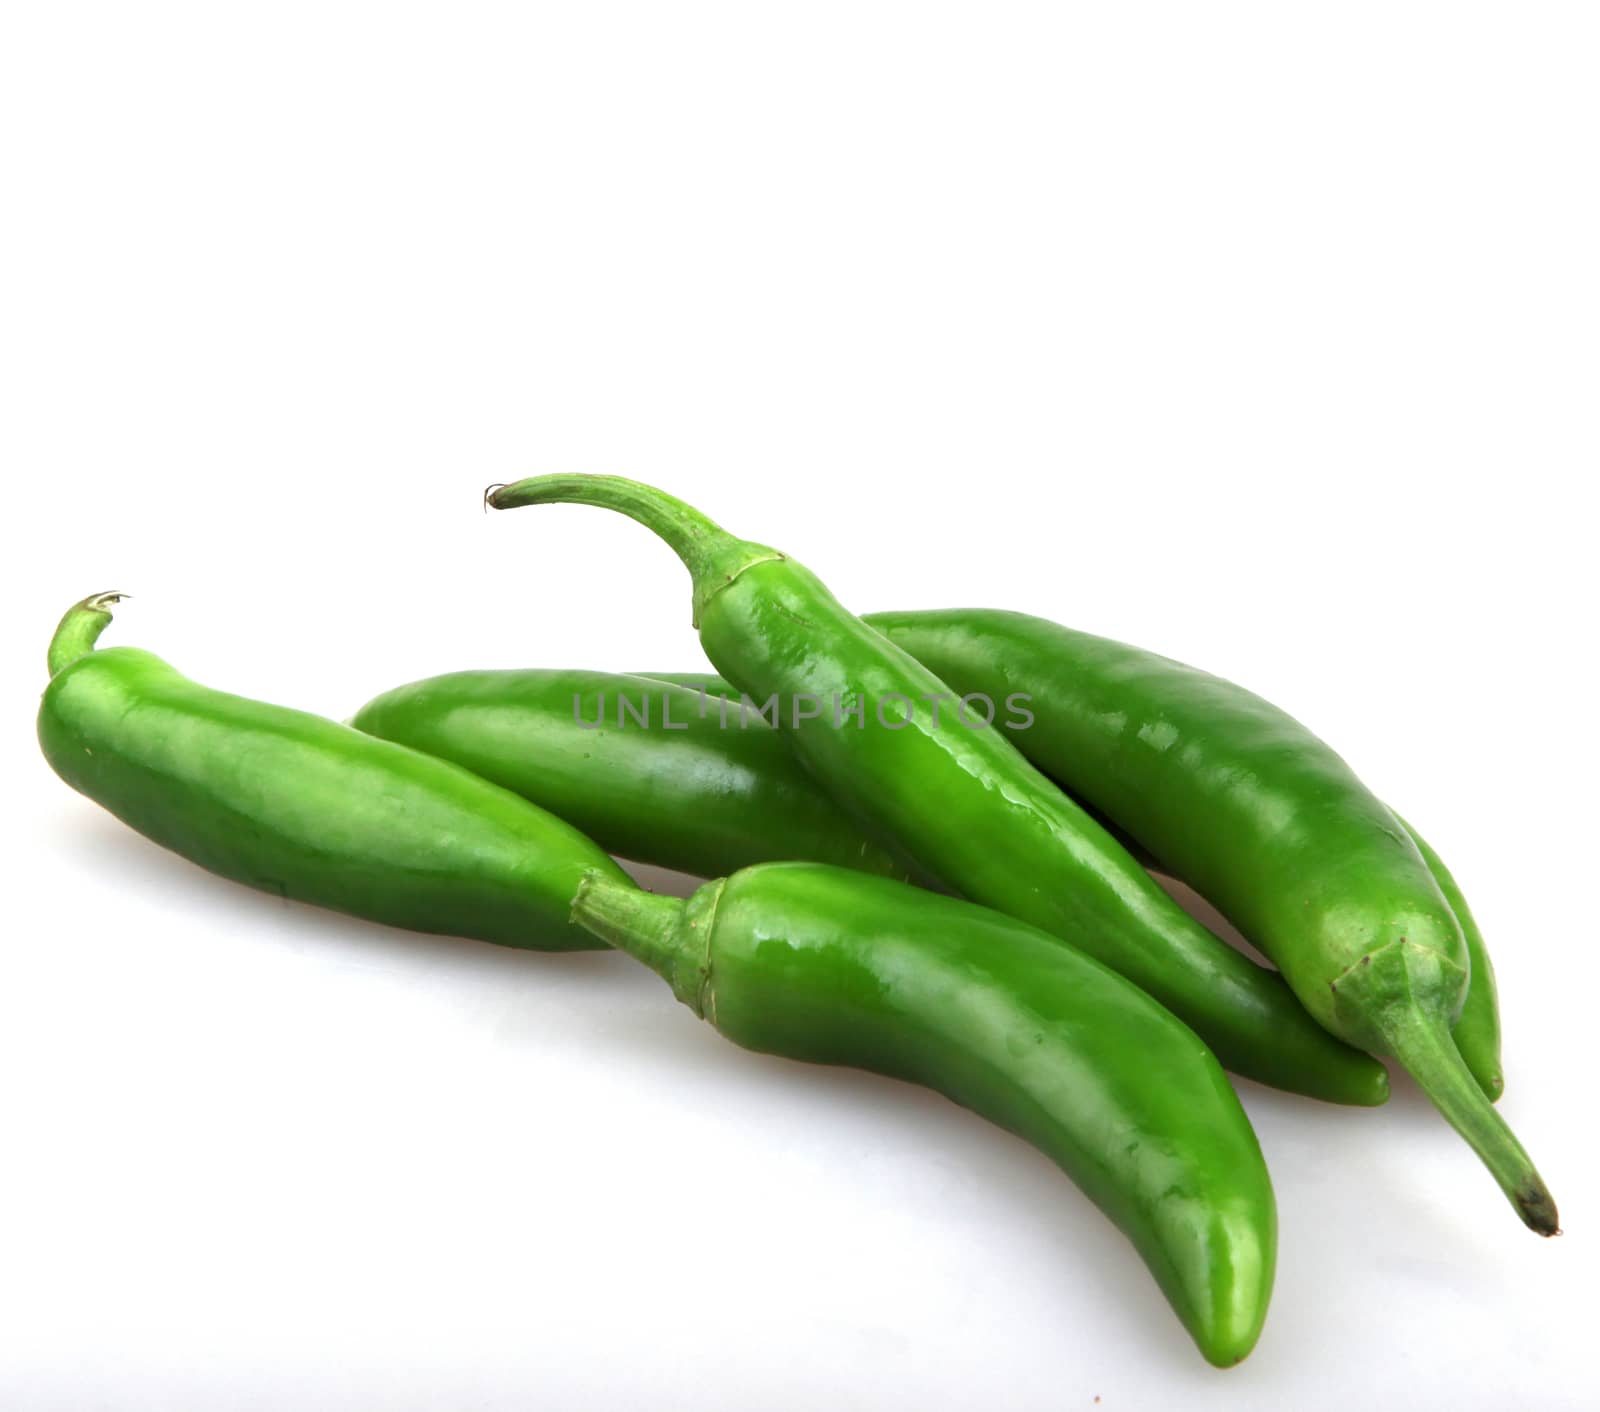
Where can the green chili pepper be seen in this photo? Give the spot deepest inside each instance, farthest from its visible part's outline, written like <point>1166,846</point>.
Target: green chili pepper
<point>675,770</point>
<point>1263,819</point>
<point>815,963</point>
<point>298,806</point>
<point>963,802</point>
<point>651,771</point>
<point>961,661</point>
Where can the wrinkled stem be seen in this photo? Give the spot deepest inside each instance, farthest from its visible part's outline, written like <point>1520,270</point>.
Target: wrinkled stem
<point>80,628</point>
<point>644,924</point>
<point>670,936</point>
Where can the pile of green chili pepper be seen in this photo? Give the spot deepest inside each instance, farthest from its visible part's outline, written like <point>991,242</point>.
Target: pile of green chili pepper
<point>893,887</point>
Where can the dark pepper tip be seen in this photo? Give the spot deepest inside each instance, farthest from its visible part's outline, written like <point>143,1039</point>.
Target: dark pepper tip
<point>1538,1210</point>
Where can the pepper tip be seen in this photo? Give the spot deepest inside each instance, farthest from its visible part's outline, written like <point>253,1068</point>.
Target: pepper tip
<point>1538,1210</point>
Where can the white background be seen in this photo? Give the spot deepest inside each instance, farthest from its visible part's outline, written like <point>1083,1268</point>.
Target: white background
<point>1264,336</point>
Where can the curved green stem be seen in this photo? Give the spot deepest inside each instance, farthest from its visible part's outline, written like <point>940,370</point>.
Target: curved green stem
<point>671,936</point>
<point>644,924</point>
<point>1426,1051</point>
<point>80,628</point>
<point>713,557</point>
<point>1393,999</point>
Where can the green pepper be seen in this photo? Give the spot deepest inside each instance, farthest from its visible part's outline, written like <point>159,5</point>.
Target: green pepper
<point>1262,818</point>
<point>834,967</point>
<point>964,803</point>
<point>1000,1018</point>
<point>672,769</point>
<point>303,808</point>
<point>961,660</point>
<point>651,771</point>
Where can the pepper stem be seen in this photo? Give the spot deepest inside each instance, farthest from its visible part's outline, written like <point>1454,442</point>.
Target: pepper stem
<point>644,924</point>
<point>1476,1031</point>
<point>1423,1046</point>
<point>632,920</point>
<point>713,557</point>
<point>80,628</point>
<point>1395,999</point>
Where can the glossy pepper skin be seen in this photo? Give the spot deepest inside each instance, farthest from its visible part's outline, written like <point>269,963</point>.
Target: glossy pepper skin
<point>300,807</point>
<point>964,658</point>
<point>654,772</point>
<point>834,967</point>
<point>964,803</point>
<point>667,768</point>
<point>1258,815</point>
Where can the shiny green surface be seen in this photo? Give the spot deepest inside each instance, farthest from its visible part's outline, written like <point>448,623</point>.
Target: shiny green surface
<point>1262,818</point>
<point>833,967</point>
<point>633,763</point>
<point>1476,1031</point>
<point>300,807</point>
<point>964,803</point>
